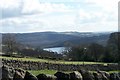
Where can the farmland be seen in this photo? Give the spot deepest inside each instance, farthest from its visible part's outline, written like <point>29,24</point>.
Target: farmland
<point>52,61</point>
<point>51,72</point>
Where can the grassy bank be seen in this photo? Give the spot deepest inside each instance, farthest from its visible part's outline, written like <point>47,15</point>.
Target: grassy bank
<point>51,61</point>
<point>36,72</point>
<point>52,72</point>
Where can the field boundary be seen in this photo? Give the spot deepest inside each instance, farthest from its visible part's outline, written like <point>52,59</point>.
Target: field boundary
<point>32,65</point>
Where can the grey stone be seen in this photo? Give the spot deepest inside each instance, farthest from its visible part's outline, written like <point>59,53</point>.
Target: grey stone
<point>46,77</point>
<point>75,76</point>
<point>87,75</point>
<point>7,73</point>
<point>19,74</point>
<point>97,76</point>
<point>114,76</point>
<point>29,76</point>
<point>105,75</point>
<point>62,76</point>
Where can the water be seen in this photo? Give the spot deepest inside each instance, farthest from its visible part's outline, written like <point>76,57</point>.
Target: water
<point>55,49</point>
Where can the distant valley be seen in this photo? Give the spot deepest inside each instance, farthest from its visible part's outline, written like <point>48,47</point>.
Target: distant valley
<point>60,39</point>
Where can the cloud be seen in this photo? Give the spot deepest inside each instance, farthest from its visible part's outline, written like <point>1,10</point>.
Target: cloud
<point>103,18</point>
<point>49,15</point>
<point>14,8</point>
<point>38,23</point>
<point>9,3</point>
<point>20,24</point>
<point>35,6</point>
<point>10,8</point>
<point>105,4</point>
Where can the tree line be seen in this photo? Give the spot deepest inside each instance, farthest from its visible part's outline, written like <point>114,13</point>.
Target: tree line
<point>12,48</point>
<point>91,52</point>
<point>96,52</point>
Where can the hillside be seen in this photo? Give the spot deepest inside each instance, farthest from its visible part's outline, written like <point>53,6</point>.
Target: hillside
<point>59,39</point>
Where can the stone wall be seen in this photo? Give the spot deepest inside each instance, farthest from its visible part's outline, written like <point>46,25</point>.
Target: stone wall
<point>29,65</point>
<point>9,73</point>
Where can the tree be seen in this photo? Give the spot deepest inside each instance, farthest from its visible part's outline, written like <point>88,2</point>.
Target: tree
<point>113,47</point>
<point>10,44</point>
<point>96,52</point>
<point>0,42</point>
<point>75,53</point>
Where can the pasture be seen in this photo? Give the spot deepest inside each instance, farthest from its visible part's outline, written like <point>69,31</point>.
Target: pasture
<point>52,72</point>
<point>52,61</point>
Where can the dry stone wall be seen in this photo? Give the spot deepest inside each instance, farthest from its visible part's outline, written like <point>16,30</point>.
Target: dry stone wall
<point>9,73</point>
<point>29,65</point>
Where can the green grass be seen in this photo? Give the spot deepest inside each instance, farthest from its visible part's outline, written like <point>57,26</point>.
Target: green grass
<point>52,61</point>
<point>114,71</point>
<point>36,72</point>
<point>52,72</point>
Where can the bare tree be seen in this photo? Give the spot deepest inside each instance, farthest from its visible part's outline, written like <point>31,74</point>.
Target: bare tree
<point>9,44</point>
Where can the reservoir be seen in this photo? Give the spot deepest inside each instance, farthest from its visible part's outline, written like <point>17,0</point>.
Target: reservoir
<point>59,50</point>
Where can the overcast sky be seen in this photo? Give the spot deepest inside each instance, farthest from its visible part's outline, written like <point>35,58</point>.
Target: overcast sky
<point>58,15</point>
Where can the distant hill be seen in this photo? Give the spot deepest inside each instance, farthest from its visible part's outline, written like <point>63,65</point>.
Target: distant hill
<point>60,39</point>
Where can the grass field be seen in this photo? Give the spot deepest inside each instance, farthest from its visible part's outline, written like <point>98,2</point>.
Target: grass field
<point>52,72</point>
<point>52,61</point>
<point>36,72</point>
